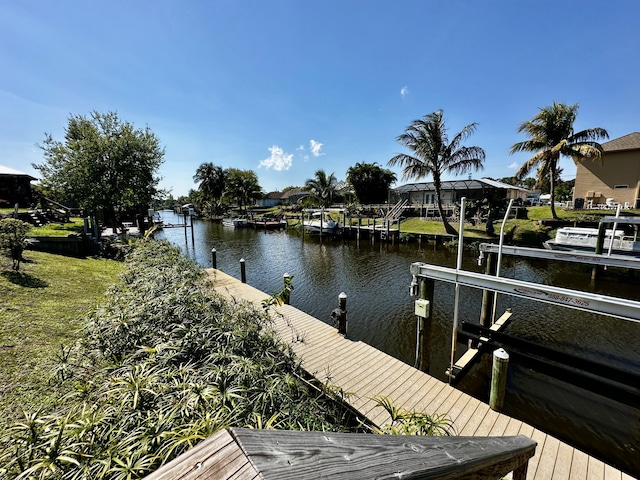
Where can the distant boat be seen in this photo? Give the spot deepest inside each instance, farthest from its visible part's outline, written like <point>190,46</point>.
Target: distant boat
<point>321,221</point>
<point>234,222</point>
<point>267,223</point>
<point>586,239</point>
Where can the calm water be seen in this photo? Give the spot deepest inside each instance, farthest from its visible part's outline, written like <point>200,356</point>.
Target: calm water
<point>376,279</point>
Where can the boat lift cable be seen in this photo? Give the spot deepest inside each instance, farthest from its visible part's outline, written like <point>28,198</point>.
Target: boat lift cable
<point>454,334</point>
<point>500,245</point>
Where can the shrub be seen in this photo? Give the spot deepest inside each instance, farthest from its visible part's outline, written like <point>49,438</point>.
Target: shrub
<point>13,239</point>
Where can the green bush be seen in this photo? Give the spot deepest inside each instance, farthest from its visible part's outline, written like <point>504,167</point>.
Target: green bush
<point>13,239</point>
<point>164,363</point>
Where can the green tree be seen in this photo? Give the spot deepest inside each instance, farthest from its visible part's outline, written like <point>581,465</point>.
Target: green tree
<point>242,186</point>
<point>212,180</point>
<point>434,154</point>
<point>370,182</point>
<point>322,188</point>
<point>552,135</point>
<point>13,239</point>
<point>103,164</point>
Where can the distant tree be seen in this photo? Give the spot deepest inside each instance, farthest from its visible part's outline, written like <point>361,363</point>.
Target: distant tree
<point>322,188</point>
<point>509,180</point>
<point>434,154</point>
<point>103,164</point>
<point>242,186</point>
<point>552,135</point>
<point>564,189</point>
<point>529,183</point>
<point>13,239</point>
<point>370,182</point>
<point>212,180</point>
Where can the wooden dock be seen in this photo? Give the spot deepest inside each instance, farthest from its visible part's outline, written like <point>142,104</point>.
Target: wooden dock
<point>365,372</point>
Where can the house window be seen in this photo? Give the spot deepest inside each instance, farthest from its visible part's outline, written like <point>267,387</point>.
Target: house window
<point>621,186</point>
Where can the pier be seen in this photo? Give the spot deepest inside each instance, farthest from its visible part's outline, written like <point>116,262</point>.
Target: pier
<point>365,372</point>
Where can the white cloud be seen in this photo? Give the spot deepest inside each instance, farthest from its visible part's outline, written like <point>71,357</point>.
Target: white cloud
<point>404,91</point>
<point>278,159</point>
<point>513,166</point>
<point>315,148</point>
<point>300,148</point>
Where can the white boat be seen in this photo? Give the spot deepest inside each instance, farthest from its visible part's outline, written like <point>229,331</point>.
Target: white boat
<point>321,221</point>
<point>234,222</point>
<point>585,239</point>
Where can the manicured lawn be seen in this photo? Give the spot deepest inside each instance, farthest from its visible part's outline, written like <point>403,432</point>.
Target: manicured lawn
<point>75,225</point>
<point>41,309</point>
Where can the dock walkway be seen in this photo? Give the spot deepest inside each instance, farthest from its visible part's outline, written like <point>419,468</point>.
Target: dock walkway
<point>364,372</point>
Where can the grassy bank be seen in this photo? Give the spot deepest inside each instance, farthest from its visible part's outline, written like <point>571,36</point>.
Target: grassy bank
<point>41,309</point>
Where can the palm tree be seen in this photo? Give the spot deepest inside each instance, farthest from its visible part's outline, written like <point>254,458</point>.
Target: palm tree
<point>243,186</point>
<point>551,135</point>
<point>434,154</point>
<point>322,188</point>
<point>212,181</point>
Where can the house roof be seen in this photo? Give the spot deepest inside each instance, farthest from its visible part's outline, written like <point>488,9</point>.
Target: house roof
<point>458,185</point>
<point>13,172</point>
<point>274,195</point>
<point>628,142</point>
<point>293,192</point>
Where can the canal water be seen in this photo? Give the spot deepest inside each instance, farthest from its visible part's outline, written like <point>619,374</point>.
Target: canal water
<point>376,279</point>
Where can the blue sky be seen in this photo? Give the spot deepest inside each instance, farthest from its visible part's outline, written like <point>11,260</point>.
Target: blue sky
<point>287,87</point>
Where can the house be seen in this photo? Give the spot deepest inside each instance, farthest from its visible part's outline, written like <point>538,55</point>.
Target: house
<point>615,180</point>
<point>293,196</point>
<point>271,199</point>
<point>424,193</point>
<point>15,187</point>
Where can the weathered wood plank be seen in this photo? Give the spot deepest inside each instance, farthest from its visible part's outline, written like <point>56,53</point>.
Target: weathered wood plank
<point>210,448</point>
<point>539,437</point>
<point>579,465</point>
<point>297,455</point>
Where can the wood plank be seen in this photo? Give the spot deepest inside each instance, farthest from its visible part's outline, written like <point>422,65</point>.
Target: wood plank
<point>595,470</point>
<point>547,462</point>
<point>488,423</point>
<point>476,419</point>
<point>182,465</point>
<point>610,473</point>
<point>296,455</point>
<point>500,426</point>
<point>579,465</point>
<point>564,461</point>
<point>540,437</point>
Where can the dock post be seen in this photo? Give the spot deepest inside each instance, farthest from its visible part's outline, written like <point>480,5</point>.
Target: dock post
<point>243,271</point>
<point>498,379</point>
<point>214,261</point>
<point>487,295</point>
<point>341,313</point>
<point>423,327</point>
<point>286,292</point>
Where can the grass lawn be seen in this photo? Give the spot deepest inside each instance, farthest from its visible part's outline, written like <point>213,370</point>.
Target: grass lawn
<point>42,306</point>
<point>75,225</point>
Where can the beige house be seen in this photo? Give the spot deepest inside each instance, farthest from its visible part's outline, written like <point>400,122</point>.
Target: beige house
<point>616,180</point>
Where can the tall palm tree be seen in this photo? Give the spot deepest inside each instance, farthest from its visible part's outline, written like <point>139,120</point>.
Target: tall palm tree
<point>212,180</point>
<point>322,187</point>
<point>551,135</point>
<point>434,154</point>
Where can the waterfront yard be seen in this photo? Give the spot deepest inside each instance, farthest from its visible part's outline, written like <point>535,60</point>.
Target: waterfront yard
<point>42,307</point>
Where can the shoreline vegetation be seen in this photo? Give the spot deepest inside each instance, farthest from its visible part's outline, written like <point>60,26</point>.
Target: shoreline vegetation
<point>531,231</point>
<point>159,362</point>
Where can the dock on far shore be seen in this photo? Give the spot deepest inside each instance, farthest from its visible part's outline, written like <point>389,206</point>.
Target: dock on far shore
<point>366,372</point>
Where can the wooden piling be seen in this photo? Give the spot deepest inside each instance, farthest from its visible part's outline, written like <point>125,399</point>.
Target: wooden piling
<point>423,354</point>
<point>243,271</point>
<point>342,321</point>
<point>498,379</point>
<point>214,260</point>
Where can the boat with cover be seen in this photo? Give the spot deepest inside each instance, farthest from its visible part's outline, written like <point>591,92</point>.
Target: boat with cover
<point>321,221</point>
<point>586,239</point>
